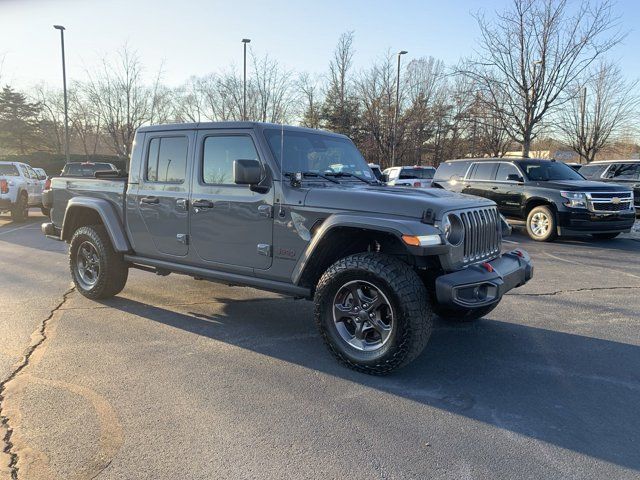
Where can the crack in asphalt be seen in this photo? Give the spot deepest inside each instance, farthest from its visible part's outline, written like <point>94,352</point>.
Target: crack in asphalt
<point>559,292</point>
<point>41,333</point>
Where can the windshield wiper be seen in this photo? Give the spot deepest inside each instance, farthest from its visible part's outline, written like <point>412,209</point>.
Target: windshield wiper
<point>349,174</point>
<point>312,174</point>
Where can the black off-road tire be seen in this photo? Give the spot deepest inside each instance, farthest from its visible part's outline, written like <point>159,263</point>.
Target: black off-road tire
<point>463,315</point>
<point>20,210</point>
<point>113,270</point>
<point>410,302</point>
<point>552,232</point>
<point>605,236</point>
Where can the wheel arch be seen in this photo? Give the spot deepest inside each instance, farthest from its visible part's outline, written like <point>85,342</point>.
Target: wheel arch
<point>343,235</point>
<point>534,202</point>
<point>81,212</point>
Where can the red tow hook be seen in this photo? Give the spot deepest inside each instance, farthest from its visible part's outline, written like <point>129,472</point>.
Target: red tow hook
<point>487,266</point>
<point>519,253</point>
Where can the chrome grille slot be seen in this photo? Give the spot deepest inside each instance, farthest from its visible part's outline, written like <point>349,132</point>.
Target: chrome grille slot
<point>482,234</point>
<point>609,201</point>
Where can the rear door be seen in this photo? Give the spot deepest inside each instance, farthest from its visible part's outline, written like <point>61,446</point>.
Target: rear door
<point>480,180</point>
<point>162,194</point>
<point>508,194</point>
<point>231,226</point>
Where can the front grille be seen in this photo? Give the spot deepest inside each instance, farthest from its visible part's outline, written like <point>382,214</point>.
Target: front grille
<point>609,201</point>
<point>482,234</point>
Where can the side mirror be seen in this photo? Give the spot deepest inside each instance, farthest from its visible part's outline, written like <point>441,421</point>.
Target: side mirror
<point>247,172</point>
<point>514,177</point>
<point>384,177</point>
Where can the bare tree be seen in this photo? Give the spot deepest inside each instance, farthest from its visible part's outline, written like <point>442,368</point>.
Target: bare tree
<point>273,90</point>
<point>309,93</point>
<point>340,108</point>
<point>533,52</point>
<point>84,118</point>
<point>601,109</point>
<point>122,99</point>
<point>51,116</point>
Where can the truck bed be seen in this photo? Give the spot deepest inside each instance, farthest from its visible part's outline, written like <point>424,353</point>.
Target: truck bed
<point>64,189</point>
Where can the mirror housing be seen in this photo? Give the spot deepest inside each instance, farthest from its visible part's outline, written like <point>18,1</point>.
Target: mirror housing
<point>247,172</point>
<point>514,177</point>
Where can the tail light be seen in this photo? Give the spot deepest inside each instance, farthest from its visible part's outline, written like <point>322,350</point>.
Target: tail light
<point>417,184</point>
<point>47,184</point>
<point>4,186</point>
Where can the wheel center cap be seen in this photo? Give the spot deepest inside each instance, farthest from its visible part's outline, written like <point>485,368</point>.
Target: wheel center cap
<point>362,316</point>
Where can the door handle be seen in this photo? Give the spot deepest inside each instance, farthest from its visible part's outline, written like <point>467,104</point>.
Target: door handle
<point>150,200</point>
<point>182,203</point>
<point>201,204</point>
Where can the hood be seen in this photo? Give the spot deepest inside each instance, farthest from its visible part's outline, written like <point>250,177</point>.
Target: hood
<point>582,186</point>
<point>407,202</point>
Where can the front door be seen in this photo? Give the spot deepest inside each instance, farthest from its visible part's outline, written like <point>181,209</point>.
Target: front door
<point>230,224</point>
<point>161,196</point>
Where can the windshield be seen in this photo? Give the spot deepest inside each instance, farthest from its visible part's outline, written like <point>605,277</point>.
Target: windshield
<point>422,173</point>
<point>317,153</point>
<point>544,171</point>
<point>9,170</point>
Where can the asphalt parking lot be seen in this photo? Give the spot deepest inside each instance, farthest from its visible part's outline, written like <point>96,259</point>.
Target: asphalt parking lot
<point>178,378</point>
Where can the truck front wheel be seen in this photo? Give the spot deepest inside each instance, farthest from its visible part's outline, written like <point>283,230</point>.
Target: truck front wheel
<point>462,315</point>
<point>373,312</point>
<point>20,210</point>
<point>97,270</point>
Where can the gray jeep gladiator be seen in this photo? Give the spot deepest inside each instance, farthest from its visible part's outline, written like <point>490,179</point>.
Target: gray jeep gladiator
<point>295,211</point>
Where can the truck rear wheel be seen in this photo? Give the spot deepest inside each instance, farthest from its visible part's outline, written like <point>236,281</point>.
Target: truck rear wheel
<point>464,315</point>
<point>373,312</point>
<point>20,210</point>
<point>97,270</point>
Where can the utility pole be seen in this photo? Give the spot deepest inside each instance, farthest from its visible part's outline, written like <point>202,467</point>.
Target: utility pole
<point>244,83</point>
<point>395,116</point>
<point>64,88</point>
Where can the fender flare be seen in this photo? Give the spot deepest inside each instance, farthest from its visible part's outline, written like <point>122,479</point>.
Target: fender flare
<point>107,213</point>
<point>396,226</point>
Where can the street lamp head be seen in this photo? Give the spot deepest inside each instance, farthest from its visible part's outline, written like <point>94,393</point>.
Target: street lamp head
<point>58,27</point>
<point>402,52</point>
<point>246,40</point>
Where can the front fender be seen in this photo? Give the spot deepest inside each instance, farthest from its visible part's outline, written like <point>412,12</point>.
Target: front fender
<point>396,226</point>
<point>107,213</point>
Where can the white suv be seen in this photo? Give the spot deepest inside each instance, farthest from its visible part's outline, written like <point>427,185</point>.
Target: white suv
<point>20,189</point>
<point>418,176</point>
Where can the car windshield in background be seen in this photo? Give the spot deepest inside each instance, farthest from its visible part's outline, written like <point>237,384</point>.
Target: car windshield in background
<point>544,171</point>
<point>9,171</point>
<point>317,153</point>
<point>422,173</point>
<point>86,169</point>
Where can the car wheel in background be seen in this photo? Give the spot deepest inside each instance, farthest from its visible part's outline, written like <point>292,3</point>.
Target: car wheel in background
<point>20,210</point>
<point>541,224</point>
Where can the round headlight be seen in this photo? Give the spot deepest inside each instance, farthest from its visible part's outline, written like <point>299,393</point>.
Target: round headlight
<point>453,229</point>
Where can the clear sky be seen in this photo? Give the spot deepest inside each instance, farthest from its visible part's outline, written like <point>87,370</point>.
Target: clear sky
<point>195,37</point>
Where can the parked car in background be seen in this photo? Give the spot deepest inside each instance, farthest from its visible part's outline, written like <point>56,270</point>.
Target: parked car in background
<point>86,169</point>
<point>295,211</point>
<point>417,176</point>
<point>375,168</point>
<point>575,166</point>
<point>622,172</point>
<point>20,189</point>
<point>42,174</point>
<point>552,198</point>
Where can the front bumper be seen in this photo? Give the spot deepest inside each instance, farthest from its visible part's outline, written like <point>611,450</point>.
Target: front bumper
<point>483,284</point>
<point>585,223</point>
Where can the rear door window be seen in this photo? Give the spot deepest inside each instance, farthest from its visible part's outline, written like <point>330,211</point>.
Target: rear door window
<point>592,171</point>
<point>167,159</point>
<point>483,171</point>
<point>504,170</point>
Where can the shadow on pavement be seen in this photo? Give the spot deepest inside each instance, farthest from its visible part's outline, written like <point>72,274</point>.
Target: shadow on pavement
<point>575,392</point>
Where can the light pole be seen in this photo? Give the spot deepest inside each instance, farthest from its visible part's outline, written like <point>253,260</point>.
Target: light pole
<point>395,116</point>
<point>64,88</point>
<point>244,83</point>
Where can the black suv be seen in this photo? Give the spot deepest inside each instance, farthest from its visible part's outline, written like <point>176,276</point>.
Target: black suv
<point>623,172</point>
<point>550,196</point>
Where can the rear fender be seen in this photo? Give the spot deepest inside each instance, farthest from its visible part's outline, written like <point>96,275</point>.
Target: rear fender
<point>107,214</point>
